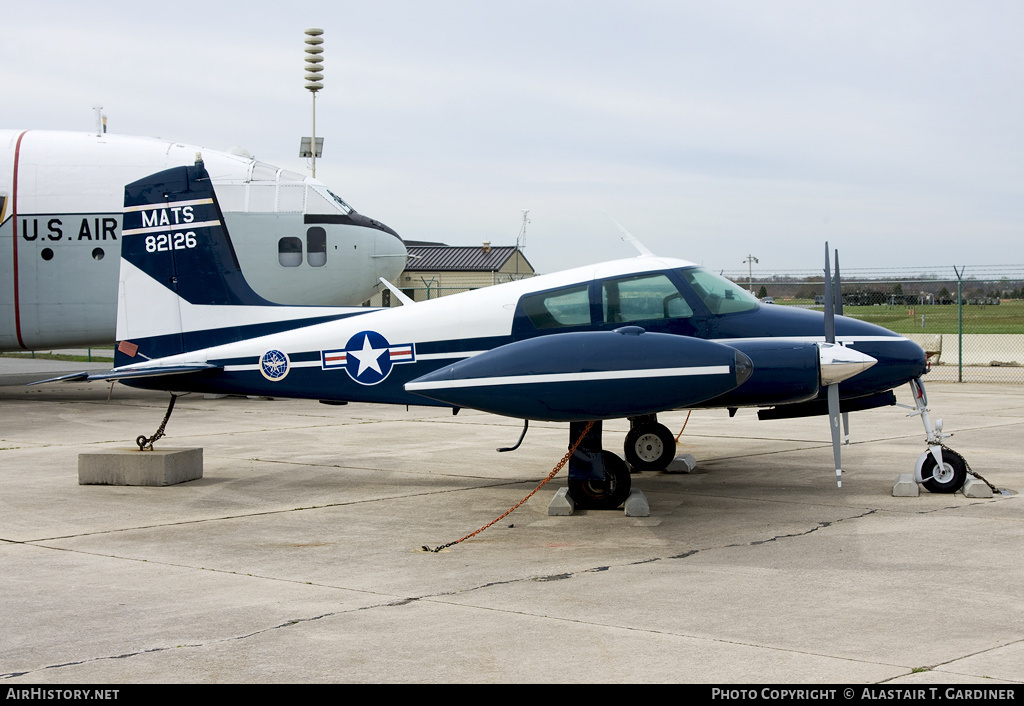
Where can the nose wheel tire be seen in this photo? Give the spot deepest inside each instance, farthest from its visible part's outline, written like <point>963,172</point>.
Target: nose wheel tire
<point>606,494</point>
<point>650,447</point>
<point>947,479</point>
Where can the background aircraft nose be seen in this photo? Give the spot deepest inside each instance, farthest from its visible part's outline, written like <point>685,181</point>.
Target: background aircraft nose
<point>367,222</point>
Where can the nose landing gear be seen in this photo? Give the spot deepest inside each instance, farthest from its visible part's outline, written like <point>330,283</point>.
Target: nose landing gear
<point>939,469</point>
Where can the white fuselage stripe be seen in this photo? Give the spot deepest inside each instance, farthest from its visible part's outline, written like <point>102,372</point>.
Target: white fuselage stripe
<point>570,377</point>
<point>171,227</point>
<point>175,204</point>
<point>443,356</point>
<point>812,339</point>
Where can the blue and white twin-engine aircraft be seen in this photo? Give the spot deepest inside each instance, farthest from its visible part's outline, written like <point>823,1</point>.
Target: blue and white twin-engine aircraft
<point>624,339</point>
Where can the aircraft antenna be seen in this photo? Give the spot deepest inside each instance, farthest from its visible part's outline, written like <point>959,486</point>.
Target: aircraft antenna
<point>312,147</point>
<point>521,238</point>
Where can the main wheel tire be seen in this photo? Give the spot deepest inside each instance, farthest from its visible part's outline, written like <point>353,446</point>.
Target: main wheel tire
<point>606,494</point>
<point>650,447</point>
<point>947,479</point>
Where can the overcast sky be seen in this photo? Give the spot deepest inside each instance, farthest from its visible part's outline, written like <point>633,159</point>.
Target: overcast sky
<point>711,130</point>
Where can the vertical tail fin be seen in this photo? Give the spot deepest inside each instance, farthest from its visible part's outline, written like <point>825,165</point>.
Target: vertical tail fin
<point>173,230</point>
<point>177,261</point>
<point>181,288</point>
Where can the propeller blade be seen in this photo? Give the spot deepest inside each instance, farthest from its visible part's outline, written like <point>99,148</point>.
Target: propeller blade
<point>834,302</point>
<point>830,309</point>
<point>838,289</point>
<point>833,419</point>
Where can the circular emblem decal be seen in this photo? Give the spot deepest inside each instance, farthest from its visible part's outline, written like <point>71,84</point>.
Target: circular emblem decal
<point>369,360</point>
<point>274,365</point>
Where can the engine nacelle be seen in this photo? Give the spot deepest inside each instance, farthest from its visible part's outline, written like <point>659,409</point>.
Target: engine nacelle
<point>588,375</point>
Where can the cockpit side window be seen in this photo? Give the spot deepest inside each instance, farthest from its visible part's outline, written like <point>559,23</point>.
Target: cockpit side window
<point>558,309</point>
<point>648,297</point>
<point>721,296</point>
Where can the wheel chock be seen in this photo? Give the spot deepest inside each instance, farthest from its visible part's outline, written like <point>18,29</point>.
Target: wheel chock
<point>562,504</point>
<point>975,488</point>
<point>684,463</point>
<point>636,504</point>
<point>905,486</point>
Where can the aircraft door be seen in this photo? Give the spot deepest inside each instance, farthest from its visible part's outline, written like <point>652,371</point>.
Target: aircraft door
<point>650,300</point>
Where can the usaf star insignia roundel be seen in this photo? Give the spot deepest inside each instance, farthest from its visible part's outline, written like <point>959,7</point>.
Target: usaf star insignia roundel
<point>274,365</point>
<point>368,357</point>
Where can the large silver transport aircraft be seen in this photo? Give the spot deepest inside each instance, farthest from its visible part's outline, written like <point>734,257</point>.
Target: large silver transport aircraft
<point>61,200</point>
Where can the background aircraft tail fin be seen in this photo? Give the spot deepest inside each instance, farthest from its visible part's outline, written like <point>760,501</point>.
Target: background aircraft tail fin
<point>173,230</point>
<point>181,287</point>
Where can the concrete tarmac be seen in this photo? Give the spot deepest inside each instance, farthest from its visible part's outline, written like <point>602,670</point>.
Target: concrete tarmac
<point>298,556</point>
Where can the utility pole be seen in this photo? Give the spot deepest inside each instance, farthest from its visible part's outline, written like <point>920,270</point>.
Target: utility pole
<point>750,272</point>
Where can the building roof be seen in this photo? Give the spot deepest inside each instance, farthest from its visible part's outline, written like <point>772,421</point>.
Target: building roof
<point>435,257</point>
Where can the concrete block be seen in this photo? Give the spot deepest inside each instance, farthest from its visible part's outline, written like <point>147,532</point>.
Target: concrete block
<point>562,504</point>
<point>905,486</point>
<point>684,463</point>
<point>975,488</point>
<point>134,467</point>
<point>636,504</point>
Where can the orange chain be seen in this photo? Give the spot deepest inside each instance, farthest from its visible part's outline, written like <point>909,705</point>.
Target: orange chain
<point>554,472</point>
<point>684,425</point>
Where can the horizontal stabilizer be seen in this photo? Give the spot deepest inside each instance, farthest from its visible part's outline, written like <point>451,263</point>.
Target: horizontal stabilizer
<point>128,373</point>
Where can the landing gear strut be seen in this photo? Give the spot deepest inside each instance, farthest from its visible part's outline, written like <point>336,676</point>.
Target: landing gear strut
<point>939,469</point>
<point>598,479</point>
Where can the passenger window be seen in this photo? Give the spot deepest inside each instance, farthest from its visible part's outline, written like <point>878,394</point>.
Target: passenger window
<point>289,251</point>
<point>558,309</point>
<point>316,247</point>
<point>644,298</point>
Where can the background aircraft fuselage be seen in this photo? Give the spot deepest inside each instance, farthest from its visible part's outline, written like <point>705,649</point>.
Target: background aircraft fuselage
<point>61,199</point>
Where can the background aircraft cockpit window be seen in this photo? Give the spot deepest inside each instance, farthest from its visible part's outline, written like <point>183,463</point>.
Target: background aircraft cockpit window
<point>289,251</point>
<point>323,201</point>
<point>560,308</point>
<point>316,246</point>
<point>344,206</point>
<point>643,298</point>
<point>721,296</point>
<point>261,171</point>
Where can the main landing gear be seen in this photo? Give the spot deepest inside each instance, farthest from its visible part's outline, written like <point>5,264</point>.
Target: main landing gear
<point>649,446</point>
<point>600,480</point>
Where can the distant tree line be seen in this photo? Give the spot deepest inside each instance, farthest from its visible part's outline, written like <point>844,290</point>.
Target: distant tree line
<point>905,292</point>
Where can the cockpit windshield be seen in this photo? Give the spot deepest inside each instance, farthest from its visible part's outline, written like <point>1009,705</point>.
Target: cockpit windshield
<point>720,295</point>
<point>344,206</point>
